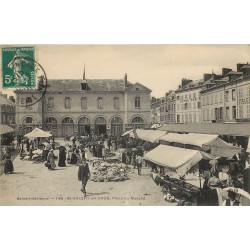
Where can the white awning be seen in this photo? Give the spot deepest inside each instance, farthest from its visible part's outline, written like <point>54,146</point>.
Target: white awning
<point>154,135</point>
<point>38,133</point>
<point>179,159</point>
<point>205,142</point>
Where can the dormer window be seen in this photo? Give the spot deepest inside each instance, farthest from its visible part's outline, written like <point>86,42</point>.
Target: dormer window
<point>84,86</point>
<point>137,89</point>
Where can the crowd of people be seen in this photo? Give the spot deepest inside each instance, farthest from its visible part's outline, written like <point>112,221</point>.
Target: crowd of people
<point>78,150</point>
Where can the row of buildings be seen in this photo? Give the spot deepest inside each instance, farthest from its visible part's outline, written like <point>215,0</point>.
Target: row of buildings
<point>86,106</point>
<point>223,98</point>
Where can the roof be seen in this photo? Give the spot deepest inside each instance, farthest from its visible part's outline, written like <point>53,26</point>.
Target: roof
<point>235,73</point>
<point>37,132</point>
<point>191,139</point>
<point>149,135</point>
<point>5,129</point>
<point>168,156</point>
<point>233,129</point>
<point>5,101</point>
<point>246,67</point>
<point>205,142</point>
<point>93,84</point>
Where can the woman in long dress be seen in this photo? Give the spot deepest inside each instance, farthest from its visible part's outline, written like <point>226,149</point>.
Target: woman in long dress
<point>51,159</point>
<point>73,159</point>
<point>62,157</point>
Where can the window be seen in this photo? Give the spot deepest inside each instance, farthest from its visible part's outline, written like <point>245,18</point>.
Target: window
<point>212,115</point>
<point>207,100</point>
<point>227,96</point>
<point>177,98</point>
<point>99,103</point>
<point>137,102</point>
<point>138,122</point>
<point>194,95</point>
<point>84,86</point>
<point>221,97</point>
<point>208,118</point>
<point>240,111</point>
<point>84,103</point>
<point>28,103</point>
<point>199,105</point>
<point>67,103</point>
<point>178,119</point>
<point>194,105</point>
<point>50,102</point>
<point>248,110</point>
<point>215,99</point>
<point>227,113</point>
<point>233,94</point>
<point>28,120</point>
<point>185,106</point>
<point>241,93</point>
<point>116,103</point>
<point>221,113</point>
<point>211,99</point>
<point>234,112</point>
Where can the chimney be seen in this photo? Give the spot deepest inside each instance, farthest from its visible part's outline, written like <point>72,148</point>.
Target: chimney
<point>126,78</point>
<point>225,71</point>
<point>239,66</point>
<point>185,81</point>
<point>207,77</point>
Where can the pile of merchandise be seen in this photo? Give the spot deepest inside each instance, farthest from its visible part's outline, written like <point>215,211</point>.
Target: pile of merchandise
<point>178,188</point>
<point>104,171</point>
<point>110,154</point>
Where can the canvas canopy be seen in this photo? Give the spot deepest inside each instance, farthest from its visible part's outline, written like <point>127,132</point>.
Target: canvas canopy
<point>128,132</point>
<point>38,133</point>
<point>153,135</point>
<point>178,159</point>
<point>148,135</point>
<point>5,129</point>
<point>204,142</point>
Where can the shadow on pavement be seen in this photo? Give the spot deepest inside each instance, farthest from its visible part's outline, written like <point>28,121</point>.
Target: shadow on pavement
<point>18,172</point>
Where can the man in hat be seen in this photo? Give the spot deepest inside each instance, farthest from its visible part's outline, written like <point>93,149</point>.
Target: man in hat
<point>84,175</point>
<point>231,201</point>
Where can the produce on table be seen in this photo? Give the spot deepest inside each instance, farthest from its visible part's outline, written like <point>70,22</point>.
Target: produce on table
<point>178,188</point>
<point>109,171</point>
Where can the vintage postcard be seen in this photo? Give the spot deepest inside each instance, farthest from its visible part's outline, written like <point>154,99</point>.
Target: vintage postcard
<point>126,125</point>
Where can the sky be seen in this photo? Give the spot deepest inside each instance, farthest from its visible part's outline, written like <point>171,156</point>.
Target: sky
<point>159,67</point>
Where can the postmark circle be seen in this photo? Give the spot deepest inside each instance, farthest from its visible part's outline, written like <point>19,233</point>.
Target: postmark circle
<point>33,94</point>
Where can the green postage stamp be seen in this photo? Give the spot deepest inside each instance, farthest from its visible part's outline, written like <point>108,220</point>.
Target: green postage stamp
<point>18,67</point>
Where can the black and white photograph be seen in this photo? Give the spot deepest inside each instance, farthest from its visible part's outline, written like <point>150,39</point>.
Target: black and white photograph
<point>125,125</point>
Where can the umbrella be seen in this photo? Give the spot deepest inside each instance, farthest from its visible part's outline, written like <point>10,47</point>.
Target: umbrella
<point>238,191</point>
<point>45,143</point>
<point>72,138</point>
<point>134,149</point>
<point>243,196</point>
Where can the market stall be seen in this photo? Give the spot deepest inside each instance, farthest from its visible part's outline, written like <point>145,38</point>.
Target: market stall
<point>38,133</point>
<point>205,142</point>
<point>146,135</point>
<point>178,159</point>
